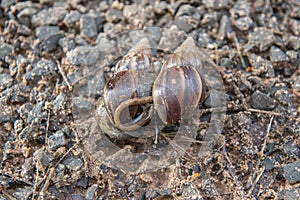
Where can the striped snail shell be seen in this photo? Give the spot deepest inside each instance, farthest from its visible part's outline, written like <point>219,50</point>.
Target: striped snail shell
<point>128,92</point>
<point>180,86</point>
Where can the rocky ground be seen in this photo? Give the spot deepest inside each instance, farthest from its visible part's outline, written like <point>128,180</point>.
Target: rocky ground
<point>52,53</point>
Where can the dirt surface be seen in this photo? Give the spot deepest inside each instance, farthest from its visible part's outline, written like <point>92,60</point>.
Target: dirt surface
<point>56,56</point>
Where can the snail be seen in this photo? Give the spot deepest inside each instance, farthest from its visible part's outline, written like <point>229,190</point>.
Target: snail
<point>127,94</point>
<point>141,86</point>
<point>180,86</point>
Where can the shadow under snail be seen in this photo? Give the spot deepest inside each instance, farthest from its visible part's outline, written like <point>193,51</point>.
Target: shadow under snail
<point>143,85</point>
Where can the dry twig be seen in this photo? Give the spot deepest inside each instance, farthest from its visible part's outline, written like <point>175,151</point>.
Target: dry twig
<point>64,76</point>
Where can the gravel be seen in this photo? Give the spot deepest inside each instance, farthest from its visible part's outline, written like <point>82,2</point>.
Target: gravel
<point>262,101</point>
<point>261,66</point>
<point>262,38</point>
<point>225,27</point>
<point>47,112</point>
<point>83,182</point>
<point>44,156</point>
<point>5,52</point>
<point>277,55</point>
<point>171,38</point>
<point>291,172</point>
<point>50,16</point>
<point>5,81</point>
<point>243,23</point>
<point>72,18</point>
<point>40,70</point>
<point>84,55</point>
<point>88,26</point>
<point>73,162</point>
<point>49,37</point>
<point>294,42</point>
<point>91,192</point>
<point>5,113</point>
<point>57,140</point>
<point>23,192</point>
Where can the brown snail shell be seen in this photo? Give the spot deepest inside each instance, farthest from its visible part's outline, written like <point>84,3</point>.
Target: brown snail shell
<point>180,86</point>
<point>128,92</point>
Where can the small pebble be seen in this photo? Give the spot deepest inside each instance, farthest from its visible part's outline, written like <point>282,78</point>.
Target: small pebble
<point>240,9</point>
<point>287,72</point>
<point>6,182</point>
<point>59,102</point>
<point>80,41</point>
<point>84,55</point>
<point>277,55</point>
<point>43,32</point>
<point>190,192</point>
<point>292,55</point>
<point>113,15</point>
<point>45,157</point>
<point>18,125</point>
<point>262,38</point>
<point>25,15</point>
<point>151,194</point>
<point>49,37</point>
<point>72,18</point>
<point>188,10</point>
<point>243,23</point>
<point>67,44</point>
<point>88,26</point>
<point>5,51</point>
<point>5,81</point>
<point>23,192</point>
<point>284,97</point>
<point>83,182</point>
<point>225,27</point>
<point>289,194</point>
<point>28,168</point>
<point>91,192</point>
<point>216,4</point>
<point>105,45</point>
<point>73,162</point>
<point>57,140</point>
<point>24,134</point>
<point>294,42</point>
<point>77,197</point>
<point>49,16</point>
<point>60,171</point>
<point>40,70</point>
<point>291,172</point>
<point>185,23</point>
<point>160,7</point>
<point>171,38</point>
<point>214,99</point>
<point>5,113</point>
<point>196,168</point>
<point>295,26</point>
<point>269,163</point>
<point>204,40</point>
<point>6,3</point>
<point>262,101</point>
<point>261,66</point>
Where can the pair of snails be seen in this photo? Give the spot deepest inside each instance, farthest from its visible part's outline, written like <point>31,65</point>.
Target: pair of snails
<point>143,85</point>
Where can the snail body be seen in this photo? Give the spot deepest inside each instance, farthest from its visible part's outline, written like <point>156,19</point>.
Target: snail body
<point>138,89</point>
